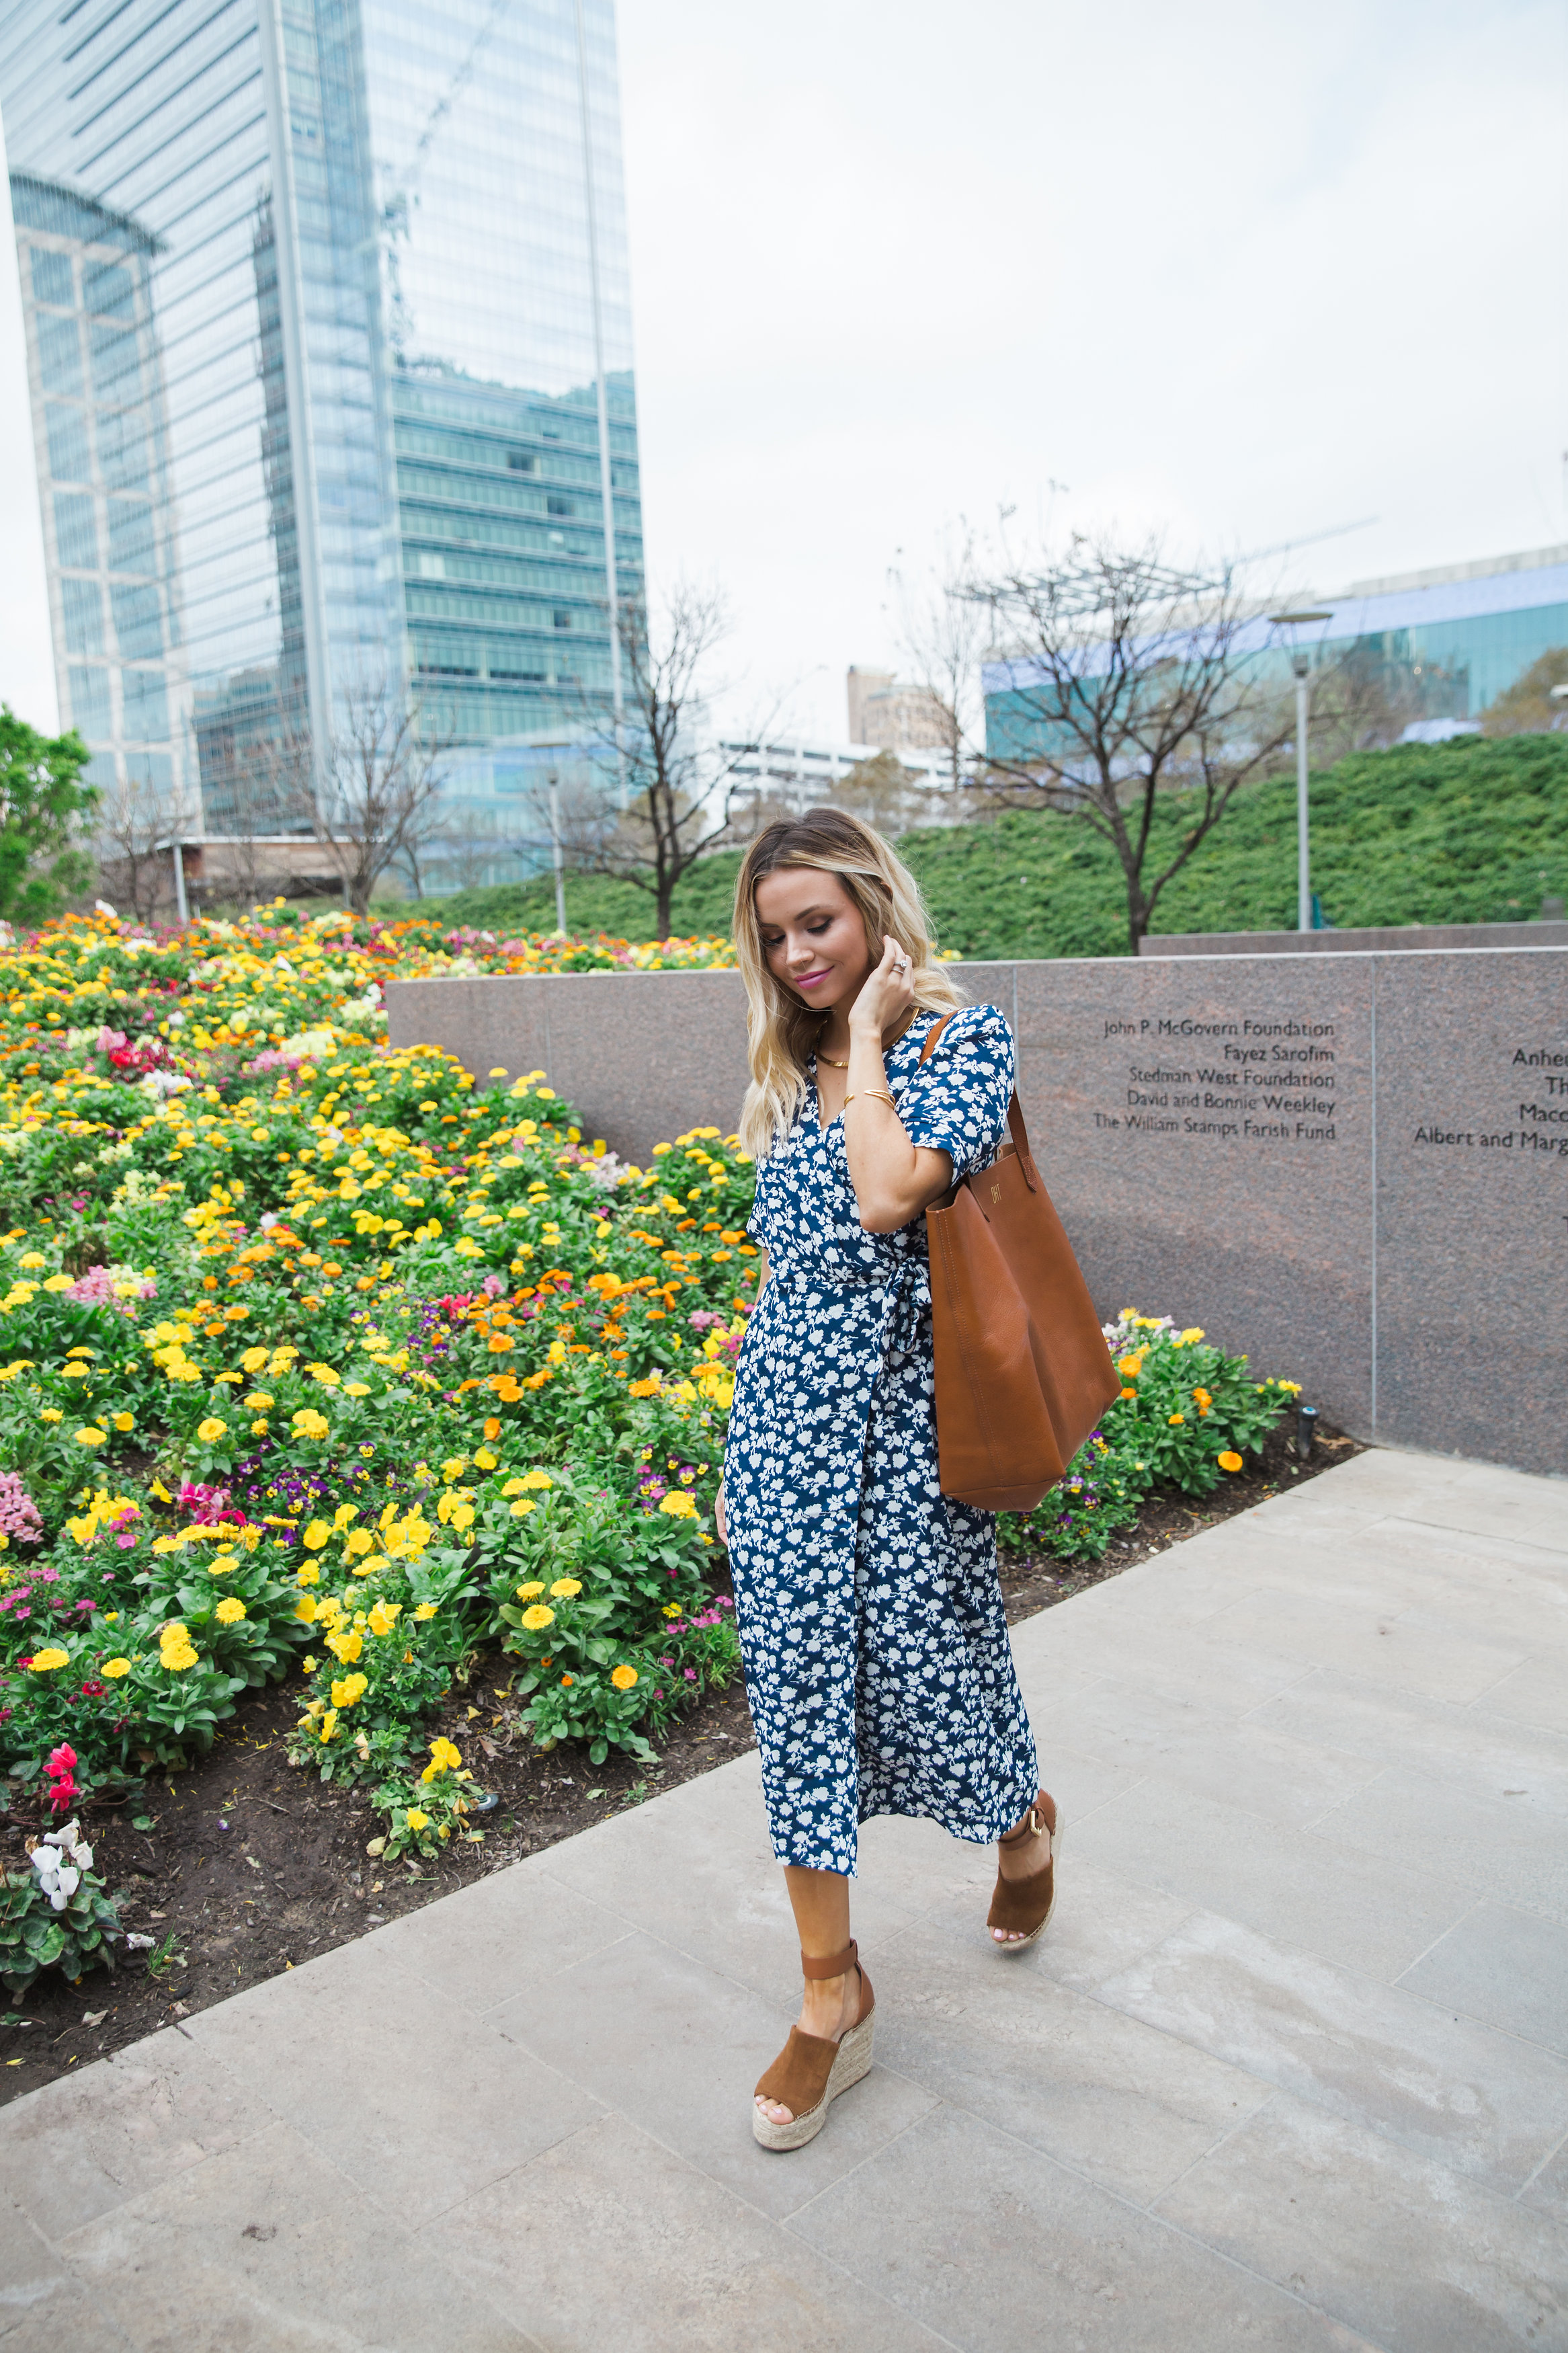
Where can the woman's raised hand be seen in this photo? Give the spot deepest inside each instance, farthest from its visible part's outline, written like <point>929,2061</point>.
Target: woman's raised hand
<point>887,994</point>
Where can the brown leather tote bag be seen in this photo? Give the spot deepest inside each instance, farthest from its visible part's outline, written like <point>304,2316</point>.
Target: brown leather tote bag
<point>1022,1373</point>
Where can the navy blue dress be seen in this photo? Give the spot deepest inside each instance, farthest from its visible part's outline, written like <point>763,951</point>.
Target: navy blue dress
<point>871,1623</point>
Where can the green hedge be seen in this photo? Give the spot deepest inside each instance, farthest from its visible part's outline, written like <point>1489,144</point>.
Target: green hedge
<point>1474,831</point>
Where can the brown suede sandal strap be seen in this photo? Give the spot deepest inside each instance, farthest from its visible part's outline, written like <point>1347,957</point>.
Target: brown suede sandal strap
<point>831,1965</point>
<point>1042,1814</point>
<point>798,2077</point>
<point>1018,1905</point>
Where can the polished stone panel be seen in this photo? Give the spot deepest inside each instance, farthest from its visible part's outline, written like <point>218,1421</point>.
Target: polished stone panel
<point>1352,1167</point>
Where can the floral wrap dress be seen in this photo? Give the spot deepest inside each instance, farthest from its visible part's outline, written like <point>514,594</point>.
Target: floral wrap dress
<point>871,1623</point>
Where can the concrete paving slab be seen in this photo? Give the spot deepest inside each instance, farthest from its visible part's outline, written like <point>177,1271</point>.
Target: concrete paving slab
<point>270,2249</point>
<point>418,2100</point>
<point>1296,1887</point>
<point>1126,2105</point>
<point>1478,1748</point>
<point>1399,2247</point>
<point>1002,2251</point>
<point>1483,2102</point>
<point>85,2143</point>
<point>1286,2071</point>
<point>1505,1968</point>
<point>44,2308</point>
<point>677,2047</point>
<point>611,2240</point>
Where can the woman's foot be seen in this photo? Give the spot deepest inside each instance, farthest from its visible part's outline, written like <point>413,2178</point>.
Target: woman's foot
<point>829,2007</point>
<point>1027,1853</point>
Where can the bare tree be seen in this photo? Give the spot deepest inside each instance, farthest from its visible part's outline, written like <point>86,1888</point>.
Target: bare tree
<point>1131,689</point>
<point>377,806</point>
<point>667,792</point>
<point>944,631</point>
<point>133,822</point>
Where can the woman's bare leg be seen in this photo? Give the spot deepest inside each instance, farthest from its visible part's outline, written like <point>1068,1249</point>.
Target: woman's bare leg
<point>828,2005</point>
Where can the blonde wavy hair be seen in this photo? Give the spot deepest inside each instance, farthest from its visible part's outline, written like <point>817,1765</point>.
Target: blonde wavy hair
<point>781,1030</point>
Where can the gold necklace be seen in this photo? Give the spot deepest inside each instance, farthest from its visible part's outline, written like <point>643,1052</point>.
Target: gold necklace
<point>829,1060</point>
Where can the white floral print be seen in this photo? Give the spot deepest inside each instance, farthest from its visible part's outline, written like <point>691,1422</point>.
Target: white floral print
<point>871,1624</point>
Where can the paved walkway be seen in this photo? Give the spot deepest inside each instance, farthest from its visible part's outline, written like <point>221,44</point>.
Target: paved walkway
<point>1290,2071</point>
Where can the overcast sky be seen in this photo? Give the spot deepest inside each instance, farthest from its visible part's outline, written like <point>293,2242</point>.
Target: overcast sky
<point>1246,273</point>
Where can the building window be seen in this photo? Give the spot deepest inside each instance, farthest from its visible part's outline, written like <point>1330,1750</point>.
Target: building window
<point>558,506</point>
<point>90,702</point>
<point>146,705</point>
<point>520,462</point>
<point>130,535</point>
<point>138,622</point>
<point>52,279</point>
<point>563,620</point>
<point>82,605</point>
<point>76,530</point>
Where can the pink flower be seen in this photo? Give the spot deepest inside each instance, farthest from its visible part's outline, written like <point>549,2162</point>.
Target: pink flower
<point>61,1760</point>
<point>19,1514</point>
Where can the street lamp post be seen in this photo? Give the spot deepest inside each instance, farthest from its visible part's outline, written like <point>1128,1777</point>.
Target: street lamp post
<point>1299,664</point>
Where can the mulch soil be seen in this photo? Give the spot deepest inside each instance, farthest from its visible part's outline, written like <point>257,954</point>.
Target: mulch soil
<point>250,1868</point>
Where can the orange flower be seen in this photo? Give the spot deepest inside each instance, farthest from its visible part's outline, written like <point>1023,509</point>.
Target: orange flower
<point>1229,1460</point>
<point>492,1427</point>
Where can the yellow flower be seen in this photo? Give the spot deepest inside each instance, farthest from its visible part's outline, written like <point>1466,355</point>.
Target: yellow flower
<point>537,1478</point>
<point>305,1610</point>
<point>445,1758</point>
<point>358,1540</point>
<point>124,1421</point>
<point>115,1668</point>
<point>531,1591</point>
<point>564,1588</point>
<point>91,1436</point>
<point>260,1400</point>
<point>210,1430</point>
<point>385,1616</point>
<point>308,1423</point>
<point>538,1618</point>
<point>345,1647</point>
<point>1193,1332</point>
<point>229,1612</point>
<point>1173,1418</point>
<point>462,1515</point>
<point>417,1819</point>
<point>308,1574</point>
<point>486,1460</point>
<point>306,1666</point>
<point>315,1534</point>
<point>350,1689</point>
<point>1229,1460</point>
<point>51,1413</point>
<point>426,1609</point>
<point>372,1563</point>
<point>42,1662</point>
<point>521,1508</point>
<point>672,1609</point>
<point>514,1487</point>
<point>623,1677</point>
<point>643,1389</point>
<point>177,1656</point>
<point>253,1360</point>
<point>329,1723</point>
<point>678,1506</point>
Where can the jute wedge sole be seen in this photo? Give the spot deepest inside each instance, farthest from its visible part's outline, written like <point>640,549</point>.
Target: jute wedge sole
<point>812,2070</point>
<point>1025,1905</point>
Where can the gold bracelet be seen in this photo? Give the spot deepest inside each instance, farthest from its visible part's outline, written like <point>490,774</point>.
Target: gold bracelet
<point>876,1094</point>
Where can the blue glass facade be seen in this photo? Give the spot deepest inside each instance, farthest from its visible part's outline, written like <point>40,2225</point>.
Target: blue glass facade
<point>367,355</point>
<point>1446,648</point>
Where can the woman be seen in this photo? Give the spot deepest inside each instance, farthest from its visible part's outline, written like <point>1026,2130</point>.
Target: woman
<point>871,1624</point>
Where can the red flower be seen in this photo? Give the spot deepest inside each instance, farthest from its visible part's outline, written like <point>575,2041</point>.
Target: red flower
<point>62,1760</point>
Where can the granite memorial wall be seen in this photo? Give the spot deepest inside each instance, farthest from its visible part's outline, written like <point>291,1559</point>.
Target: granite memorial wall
<point>1353,1167</point>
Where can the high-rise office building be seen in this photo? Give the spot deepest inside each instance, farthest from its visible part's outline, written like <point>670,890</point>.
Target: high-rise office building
<point>329,340</point>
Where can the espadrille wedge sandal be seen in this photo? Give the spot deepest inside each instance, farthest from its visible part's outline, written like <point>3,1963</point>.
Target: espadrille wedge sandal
<point>813,2069</point>
<point>1023,1906</point>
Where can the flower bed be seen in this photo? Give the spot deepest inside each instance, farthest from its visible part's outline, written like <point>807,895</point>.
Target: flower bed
<point>324,1360</point>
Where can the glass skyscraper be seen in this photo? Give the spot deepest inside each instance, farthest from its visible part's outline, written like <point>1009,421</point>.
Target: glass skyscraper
<point>329,340</point>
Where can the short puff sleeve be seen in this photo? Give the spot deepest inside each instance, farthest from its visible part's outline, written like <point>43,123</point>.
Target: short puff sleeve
<point>957,1102</point>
